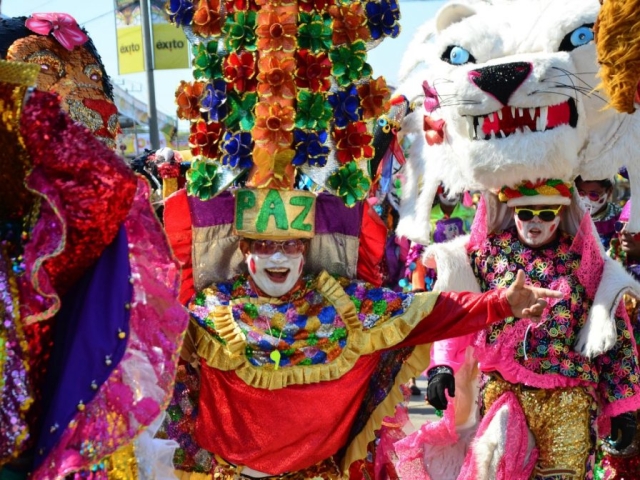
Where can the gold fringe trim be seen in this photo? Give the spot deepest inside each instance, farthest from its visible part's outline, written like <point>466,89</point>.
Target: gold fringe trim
<point>391,333</point>
<point>618,47</point>
<point>231,356</point>
<point>182,475</point>
<point>417,362</point>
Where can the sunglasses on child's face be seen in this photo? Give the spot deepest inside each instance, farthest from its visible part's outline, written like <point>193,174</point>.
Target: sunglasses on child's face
<point>266,248</point>
<point>594,196</point>
<point>546,215</point>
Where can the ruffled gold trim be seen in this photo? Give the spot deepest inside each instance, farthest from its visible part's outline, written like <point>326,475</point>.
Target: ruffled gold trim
<point>384,336</point>
<point>182,475</point>
<point>390,333</point>
<point>231,357</point>
<point>417,362</point>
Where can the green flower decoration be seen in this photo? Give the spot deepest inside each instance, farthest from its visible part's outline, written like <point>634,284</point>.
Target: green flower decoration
<point>240,109</point>
<point>239,30</point>
<point>349,63</point>
<point>313,111</point>
<point>350,183</point>
<point>202,180</point>
<point>315,32</point>
<point>207,64</point>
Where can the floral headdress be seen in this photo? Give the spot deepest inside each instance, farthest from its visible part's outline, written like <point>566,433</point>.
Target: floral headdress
<point>282,86</point>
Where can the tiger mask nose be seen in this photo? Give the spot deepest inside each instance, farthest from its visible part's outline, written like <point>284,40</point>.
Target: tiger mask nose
<point>500,81</point>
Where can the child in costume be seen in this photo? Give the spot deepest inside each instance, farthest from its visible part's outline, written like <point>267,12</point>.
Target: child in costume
<point>91,324</point>
<point>596,198</point>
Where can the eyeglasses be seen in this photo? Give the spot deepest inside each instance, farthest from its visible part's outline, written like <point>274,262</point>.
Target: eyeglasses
<point>595,196</point>
<point>266,248</point>
<point>546,215</point>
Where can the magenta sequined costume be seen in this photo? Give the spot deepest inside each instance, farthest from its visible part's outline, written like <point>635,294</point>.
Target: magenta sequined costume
<point>89,199</point>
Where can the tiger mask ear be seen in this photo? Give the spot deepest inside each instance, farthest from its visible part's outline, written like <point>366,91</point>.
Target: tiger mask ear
<point>452,13</point>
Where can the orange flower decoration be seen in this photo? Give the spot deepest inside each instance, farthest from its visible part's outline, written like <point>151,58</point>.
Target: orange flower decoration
<point>276,31</point>
<point>274,126</point>
<point>349,23</point>
<point>374,98</point>
<point>207,21</point>
<point>188,99</point>
<point>276,78</point>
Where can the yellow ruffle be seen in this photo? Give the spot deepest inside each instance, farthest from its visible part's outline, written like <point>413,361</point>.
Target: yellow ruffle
<point>231,357</point>
<point>359,342</point>
<point>417,362</point>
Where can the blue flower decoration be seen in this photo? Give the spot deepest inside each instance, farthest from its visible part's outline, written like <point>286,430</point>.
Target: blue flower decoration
<point>214,100</point>
<point>180,12</point>
<point>236,149</point>
<point>310,147</point>
<point>383,17</point>
<point>346,106</point>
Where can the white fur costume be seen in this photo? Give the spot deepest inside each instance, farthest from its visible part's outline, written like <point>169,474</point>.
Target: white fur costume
<point>522,106</point>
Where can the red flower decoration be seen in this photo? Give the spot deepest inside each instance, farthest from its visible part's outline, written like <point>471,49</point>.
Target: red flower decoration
<point>240,71</point>
<point>204,138</point>
<point>276,77</point>
<point>233,6</point>
<point>62,26</point>
<point>188,99</point>
<point>207,21</point>
<point>317,5</point>
<point>313,71</point>
<point>353,143</point>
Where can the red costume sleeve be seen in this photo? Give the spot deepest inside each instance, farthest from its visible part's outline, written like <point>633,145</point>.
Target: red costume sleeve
<point>459,313</point>
<point>177,224</point>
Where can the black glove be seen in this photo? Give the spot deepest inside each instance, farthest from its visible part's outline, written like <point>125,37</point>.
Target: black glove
<point>440,379</point>
<point>623,430</point>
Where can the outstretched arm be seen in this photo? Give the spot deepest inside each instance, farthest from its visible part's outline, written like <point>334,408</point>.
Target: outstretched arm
<point>459,313</point>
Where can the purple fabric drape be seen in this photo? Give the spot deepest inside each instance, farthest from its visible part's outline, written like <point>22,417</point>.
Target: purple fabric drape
<point>90,336</point>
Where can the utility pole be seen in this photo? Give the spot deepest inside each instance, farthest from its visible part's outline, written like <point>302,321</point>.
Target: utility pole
<point>145,12</point>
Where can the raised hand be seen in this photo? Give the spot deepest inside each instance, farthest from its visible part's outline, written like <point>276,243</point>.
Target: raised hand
<point>527,301</point>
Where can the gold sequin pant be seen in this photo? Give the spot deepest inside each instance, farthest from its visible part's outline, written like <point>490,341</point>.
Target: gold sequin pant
<point>561,421</point>
<point>325,470</point>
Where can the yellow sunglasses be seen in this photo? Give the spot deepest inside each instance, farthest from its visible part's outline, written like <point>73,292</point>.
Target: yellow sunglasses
<point>546,214</point>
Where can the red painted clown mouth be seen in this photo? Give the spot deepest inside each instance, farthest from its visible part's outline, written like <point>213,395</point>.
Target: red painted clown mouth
<point>510,119</point>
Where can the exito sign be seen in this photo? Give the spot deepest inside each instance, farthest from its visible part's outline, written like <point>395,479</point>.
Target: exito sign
<point>273,214</point>
<point>170,45</point>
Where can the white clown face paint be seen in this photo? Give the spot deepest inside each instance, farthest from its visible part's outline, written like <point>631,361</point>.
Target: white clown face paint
<point>594,206</point>
<point>448,201</point>
<point>277,274</point>
<point>536,233</point>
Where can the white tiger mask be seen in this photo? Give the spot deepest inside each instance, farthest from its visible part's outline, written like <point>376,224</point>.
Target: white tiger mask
<point>514,84</point>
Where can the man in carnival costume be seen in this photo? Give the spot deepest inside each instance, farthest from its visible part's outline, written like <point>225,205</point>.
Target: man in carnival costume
<point>91,324</point>
<point>288,373</point>
<point>537,361</point>
<point>500,110</point>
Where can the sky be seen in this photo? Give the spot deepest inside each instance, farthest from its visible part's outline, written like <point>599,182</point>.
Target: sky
<point>97,16</point>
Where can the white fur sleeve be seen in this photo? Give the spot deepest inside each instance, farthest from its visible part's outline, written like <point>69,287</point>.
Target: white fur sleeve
<point>599,332</point>
<point>453,266</point>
